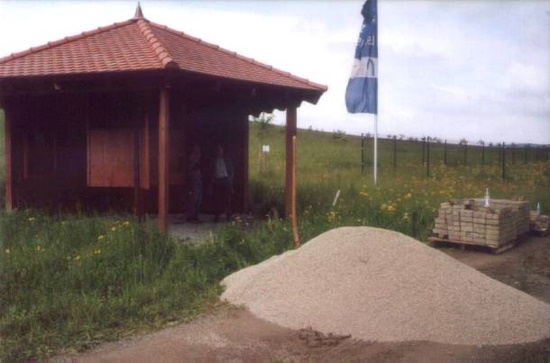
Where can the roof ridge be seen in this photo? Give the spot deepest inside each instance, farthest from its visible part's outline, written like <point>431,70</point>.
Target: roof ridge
<point>236,55</point>
<point>62,41</point>
<point>162,53</point>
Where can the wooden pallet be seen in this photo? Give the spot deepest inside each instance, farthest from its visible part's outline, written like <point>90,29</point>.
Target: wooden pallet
<point>436,241</point>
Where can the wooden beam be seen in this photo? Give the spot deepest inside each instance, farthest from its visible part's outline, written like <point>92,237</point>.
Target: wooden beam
<point>164,158</point>
<point>290,163</point>
<point>9,165</point>
<point>293,217</point>
<point>245,141</point>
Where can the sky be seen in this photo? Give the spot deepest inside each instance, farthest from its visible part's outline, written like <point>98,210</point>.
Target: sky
<point>451,69</point>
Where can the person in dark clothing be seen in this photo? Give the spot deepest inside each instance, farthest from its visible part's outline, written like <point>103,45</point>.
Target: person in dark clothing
<point>194,179</point>
<point>222,183</point>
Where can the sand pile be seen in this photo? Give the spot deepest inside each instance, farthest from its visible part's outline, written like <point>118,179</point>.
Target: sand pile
<point>380,285</point>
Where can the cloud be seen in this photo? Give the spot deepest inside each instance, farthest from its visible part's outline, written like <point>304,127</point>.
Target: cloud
<point>452,69</point>
<point>526,79</point>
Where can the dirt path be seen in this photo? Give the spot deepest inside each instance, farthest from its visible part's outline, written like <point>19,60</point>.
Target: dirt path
<point>231,333</point>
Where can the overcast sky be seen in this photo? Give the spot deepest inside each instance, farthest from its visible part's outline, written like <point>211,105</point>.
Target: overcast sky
<point>470,69</point>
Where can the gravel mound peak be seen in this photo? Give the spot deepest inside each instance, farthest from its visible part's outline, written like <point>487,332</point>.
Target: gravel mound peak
<point>380,285</point>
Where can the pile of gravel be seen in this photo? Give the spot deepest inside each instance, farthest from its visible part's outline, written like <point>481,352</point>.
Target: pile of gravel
<point>380,285</point>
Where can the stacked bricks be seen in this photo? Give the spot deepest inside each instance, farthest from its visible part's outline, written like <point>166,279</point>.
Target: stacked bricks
<point>468,221</point>
<point>520,210</point>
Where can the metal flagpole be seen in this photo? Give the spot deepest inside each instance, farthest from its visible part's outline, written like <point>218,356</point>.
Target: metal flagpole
<point>375,148</point>
<point>362,88</point>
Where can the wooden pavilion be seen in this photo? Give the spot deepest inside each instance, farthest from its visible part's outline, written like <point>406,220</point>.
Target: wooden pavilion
<point>105,119</point>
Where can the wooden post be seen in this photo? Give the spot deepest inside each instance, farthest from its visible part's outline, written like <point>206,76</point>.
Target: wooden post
<point>9,165</point>
<point>164,158</point>
<point>290,164</point>
<point>245,171</point>
<point>294,217</point>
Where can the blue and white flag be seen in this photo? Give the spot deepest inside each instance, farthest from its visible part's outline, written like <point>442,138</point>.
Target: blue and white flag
<point>362,89</point>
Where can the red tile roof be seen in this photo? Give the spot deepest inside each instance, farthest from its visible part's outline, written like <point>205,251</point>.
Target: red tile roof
<point>138,44</point>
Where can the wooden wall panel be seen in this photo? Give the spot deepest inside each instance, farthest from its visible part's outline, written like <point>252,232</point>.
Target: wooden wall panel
<point>110,158</point>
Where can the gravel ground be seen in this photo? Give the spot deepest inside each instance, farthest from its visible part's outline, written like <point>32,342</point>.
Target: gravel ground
<point>380,285</point>
<point>188,231</point>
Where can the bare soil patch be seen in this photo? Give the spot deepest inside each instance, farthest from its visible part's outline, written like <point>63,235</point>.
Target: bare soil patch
<point>232,333</point>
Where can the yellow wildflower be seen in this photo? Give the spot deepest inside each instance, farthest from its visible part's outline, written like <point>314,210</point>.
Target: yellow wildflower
<point>100,237</point>
<point>7,251</point>
<point>31,219</point>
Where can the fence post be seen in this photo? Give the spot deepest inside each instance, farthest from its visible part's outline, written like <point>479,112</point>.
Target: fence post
<point>394,152</point>
<point>465,153</point>
<point>445,153</point>
<point>423,150</point>
<point>483,154</point>
<point>503,160</point>
<point>427,156</point>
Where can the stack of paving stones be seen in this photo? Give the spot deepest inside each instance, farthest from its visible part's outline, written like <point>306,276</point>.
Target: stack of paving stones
<point>469,221</point>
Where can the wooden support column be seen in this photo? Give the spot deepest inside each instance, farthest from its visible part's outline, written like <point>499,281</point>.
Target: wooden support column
<point>290,164</point>
<point>245,141</point>
<point>164,158</point>
<point>9,165</point>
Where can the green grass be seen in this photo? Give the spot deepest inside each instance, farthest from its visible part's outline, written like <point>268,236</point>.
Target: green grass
<point>328,163</point>
<point>69,282</point>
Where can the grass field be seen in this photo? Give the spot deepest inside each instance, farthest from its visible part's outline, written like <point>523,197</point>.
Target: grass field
<point>328,162</point>
<point>69,282</point>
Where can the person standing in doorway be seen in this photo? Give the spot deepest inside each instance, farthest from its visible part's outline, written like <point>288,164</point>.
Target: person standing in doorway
<point>222,184</point>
